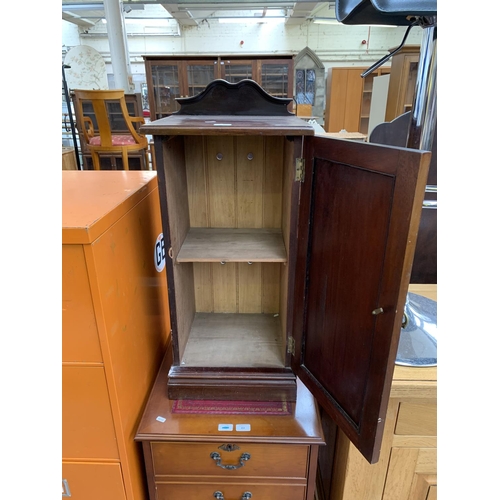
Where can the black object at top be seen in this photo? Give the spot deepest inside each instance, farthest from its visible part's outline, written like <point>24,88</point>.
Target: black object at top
<point>245,98</point>
<point>387,12</point>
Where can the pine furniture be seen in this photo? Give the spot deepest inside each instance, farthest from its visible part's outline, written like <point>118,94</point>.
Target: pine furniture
<point>404,69</point>
<point>109,161</point>
<point>114,328</point>
<point>97,126</point>
<point>348,99</point>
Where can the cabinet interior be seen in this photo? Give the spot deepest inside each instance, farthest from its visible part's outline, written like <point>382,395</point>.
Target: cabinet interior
<point>228,203</point>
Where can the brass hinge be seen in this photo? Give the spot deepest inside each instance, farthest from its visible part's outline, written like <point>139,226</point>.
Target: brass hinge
<point>299,169</point>
<point>291,346</point>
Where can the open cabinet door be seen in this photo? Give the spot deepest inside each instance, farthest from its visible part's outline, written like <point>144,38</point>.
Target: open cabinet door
<point>359,214</point>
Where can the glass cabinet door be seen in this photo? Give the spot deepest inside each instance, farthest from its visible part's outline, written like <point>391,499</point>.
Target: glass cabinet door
<point>166,88</point>
<point>276,79</point>
<point>199,75</point>
<point>235,71</point>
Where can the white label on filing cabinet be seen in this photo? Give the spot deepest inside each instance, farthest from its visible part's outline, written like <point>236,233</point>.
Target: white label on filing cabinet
<point>243,427</point>
<point>160,253</point>
<point>225,427</point>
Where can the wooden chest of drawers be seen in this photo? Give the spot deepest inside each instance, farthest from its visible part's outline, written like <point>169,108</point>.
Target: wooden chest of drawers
<point>188,457</point>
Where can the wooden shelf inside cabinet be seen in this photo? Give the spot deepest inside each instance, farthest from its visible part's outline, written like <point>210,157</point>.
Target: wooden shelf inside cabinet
<point>232,245</point>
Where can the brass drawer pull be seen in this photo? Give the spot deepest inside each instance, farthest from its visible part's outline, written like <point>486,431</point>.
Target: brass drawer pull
<point>220,496</point>
<point>243,458</point>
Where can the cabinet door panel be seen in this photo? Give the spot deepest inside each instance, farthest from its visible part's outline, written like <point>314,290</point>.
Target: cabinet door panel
<point>80,341</point>
<point>93,481</point>
<point>360,206</point>
<point>87,424</point>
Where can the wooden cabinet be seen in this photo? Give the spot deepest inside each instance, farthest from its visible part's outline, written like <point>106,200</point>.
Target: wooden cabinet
<point>114,327</point>
<point>137,160</point>
<point>189,456</point>
<point>288,256</point>
<point>348,99</point>
<point>407,469</point>
<point>171,77</point>
<point>404,68</point>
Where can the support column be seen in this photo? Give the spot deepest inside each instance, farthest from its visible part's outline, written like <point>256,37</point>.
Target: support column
<point>117,36</point>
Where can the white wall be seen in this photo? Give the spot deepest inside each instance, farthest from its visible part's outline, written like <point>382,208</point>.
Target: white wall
<point>335,45</point>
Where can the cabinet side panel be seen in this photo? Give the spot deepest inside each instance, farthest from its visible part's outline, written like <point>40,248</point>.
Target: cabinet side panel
<point>196,181</point>
<point>176,194</point>
<point>203,286</point>
<point>184,303</point>
<point>271,278</point>
<point>336,99</point>
<point>353,100</point>
<point>175,215</point>
<point>292,150</point>
<point>272,185</point>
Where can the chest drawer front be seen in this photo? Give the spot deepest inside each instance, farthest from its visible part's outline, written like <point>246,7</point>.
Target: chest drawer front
<point>417,419</point>
<point>207,491</point>
<point>266,460</point>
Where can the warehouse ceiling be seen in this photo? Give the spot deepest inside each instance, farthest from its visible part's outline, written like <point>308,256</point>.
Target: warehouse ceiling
<point>195,12</point>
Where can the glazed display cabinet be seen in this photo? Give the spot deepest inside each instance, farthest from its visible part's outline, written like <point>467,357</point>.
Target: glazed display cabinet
<point>289,255</point>
<point>170,77</point>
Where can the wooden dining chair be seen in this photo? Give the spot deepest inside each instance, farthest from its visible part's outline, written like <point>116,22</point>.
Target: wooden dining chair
<point>98,125</point>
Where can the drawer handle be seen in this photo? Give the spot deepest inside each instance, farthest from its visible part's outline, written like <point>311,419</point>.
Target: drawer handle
<point>216,456</point>
<point>220,496</point>
<point>65,488</point>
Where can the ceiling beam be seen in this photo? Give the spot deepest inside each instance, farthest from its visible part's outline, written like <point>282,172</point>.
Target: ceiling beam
<point>76,19</point>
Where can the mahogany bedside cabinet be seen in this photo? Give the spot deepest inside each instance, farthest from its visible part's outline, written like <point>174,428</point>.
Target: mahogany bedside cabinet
<point>114,328</point>
<point>229,456</point>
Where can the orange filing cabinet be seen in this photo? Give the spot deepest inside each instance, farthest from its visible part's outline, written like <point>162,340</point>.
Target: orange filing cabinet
<point>115,327</point>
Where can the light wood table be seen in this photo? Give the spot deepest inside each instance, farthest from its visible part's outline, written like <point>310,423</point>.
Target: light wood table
<point>407,469</point>
<point>352,136</point>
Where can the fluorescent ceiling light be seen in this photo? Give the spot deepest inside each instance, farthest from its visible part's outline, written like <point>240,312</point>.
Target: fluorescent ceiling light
<point>332,20</point>
<point>251,20</point>
<point>325,20</point>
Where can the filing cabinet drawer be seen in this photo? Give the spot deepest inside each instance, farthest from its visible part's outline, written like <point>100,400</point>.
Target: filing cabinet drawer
<point>87,423</point>
<point>208,491</point>
<point>96,481</point>
<point>265,460</point>
<point>80,340</point>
